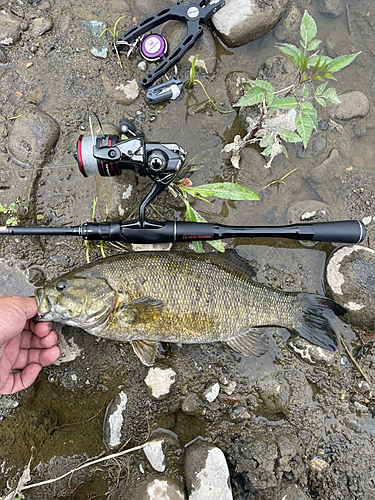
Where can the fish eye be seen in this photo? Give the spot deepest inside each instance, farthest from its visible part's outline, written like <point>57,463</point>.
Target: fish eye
<point>61,285</point>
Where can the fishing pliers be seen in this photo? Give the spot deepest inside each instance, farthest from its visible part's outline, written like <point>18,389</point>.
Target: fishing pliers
<point>193,14</point>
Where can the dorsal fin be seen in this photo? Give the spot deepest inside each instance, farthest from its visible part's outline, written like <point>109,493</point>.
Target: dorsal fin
<point>232,258</point>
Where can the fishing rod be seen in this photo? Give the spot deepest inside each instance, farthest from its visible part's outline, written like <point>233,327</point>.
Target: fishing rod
<point>107,155</point>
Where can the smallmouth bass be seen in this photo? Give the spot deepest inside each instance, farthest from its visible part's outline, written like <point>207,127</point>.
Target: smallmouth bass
<point>184,297</point>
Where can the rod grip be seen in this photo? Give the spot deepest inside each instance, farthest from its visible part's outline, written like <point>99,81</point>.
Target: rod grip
<point>347,231</point>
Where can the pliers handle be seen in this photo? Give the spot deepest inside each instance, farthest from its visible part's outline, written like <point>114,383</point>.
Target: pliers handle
<point>193,14</point>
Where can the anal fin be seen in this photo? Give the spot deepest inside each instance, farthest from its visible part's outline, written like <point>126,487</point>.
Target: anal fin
<point>250,342</point>
<point>145,350</point>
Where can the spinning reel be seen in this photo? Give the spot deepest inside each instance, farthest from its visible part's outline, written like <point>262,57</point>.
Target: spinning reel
<point>107,155</point>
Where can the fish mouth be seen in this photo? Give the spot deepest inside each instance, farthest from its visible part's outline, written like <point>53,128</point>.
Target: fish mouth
<point>41,298</point>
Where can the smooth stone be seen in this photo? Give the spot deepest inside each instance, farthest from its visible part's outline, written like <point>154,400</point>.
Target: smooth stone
<point>10,30</point>
<point>319,144</point>
<point>64,20</point>
<point>212,392</point>
<point>33,136</point>
<point>155,455</point>
<point>287,29</point>
<point>235,82</point>
<point>350,278</point>
<point>8,80</point>
<point>114,421</point>
<point>41,25</point>
<point>318,465</point>
<point>159,381</point>
<point>242,21</point>
<point>313,354</point>
<point>338,43</point>
<point>274,391</point>
<point>331,8</point>
<point>191,405</point>
<point>206,472</point>
<point>354,104</point>
<point>333,163</point>
<point>160,489</point>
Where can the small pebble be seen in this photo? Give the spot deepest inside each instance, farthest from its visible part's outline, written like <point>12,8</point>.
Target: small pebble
<point>322,125</point>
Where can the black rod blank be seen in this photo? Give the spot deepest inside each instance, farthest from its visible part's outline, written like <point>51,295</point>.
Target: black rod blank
<point>349,231</point>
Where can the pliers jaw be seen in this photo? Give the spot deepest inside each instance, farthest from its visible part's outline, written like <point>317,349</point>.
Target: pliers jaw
<point>193,14</point>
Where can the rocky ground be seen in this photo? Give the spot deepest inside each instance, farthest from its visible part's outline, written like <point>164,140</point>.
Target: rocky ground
<point>296,423</point>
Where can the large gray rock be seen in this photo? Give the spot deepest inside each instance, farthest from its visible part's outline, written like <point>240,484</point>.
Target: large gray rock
<point>33,136</point>
<point>206,472</point>
<point>287,30</point>
<point>242,21</point>
<point>354,104</point>
<point>350,278</point>
<point>10,31</point>
<point>160,489</point>
<point>331,8</point>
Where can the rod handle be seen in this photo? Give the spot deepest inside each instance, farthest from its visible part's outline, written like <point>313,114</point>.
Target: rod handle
<point>347,231</point>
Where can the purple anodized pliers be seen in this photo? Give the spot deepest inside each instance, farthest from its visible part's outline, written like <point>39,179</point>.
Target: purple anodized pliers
<point>193,14</point>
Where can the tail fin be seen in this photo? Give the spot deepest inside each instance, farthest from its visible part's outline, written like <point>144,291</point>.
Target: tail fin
<point>314,324</point>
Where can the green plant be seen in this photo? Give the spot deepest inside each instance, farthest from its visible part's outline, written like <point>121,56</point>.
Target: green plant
<point>193,80</point>
<point>114,36</point>
<point>12,212</point>
<point>280,181</point>
<point>222,190</point>
<point>262,93</point>
<point>101,243</point>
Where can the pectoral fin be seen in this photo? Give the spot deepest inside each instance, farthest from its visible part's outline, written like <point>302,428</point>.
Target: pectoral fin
<point>250,342</point>
<point>142,310</point>
<point>145,350</point>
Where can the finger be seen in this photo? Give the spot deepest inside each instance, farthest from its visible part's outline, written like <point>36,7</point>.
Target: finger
<point>41,328</point>
<point>42,357</point>
<point>29,340</point>
<point>21,380</point>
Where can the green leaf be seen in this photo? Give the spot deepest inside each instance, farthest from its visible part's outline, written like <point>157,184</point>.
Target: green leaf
<point>340,62</point>
<point>317,78</point>
<point>313,45</point>
<point>304,126</point>
<point>331,96</point>
<point>312,60</point>
<point>321,101</point>
<point>192,70</point>
<point>39,217</point>
<point>287,102</point>
<point>193,216</point>
<point>292,52</point>
<point>267,151</point>
<point>320,89</point>
<point>253,96</point>
<point>262,84</point>
<point>329,76</point>
<point>305,92</point>
<point>223,190</point>
<point>217,244</point>
<point>289,136</point>
<point>285,152</point>
<point>269,98</point>
<point>308,110</point>
<point>308,28</point>
<point>267,140</point>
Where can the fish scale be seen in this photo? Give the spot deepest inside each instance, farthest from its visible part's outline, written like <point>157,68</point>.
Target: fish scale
<point>147,297</point>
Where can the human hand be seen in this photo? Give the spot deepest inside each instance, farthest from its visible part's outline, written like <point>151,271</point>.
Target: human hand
<point>24,345</point>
